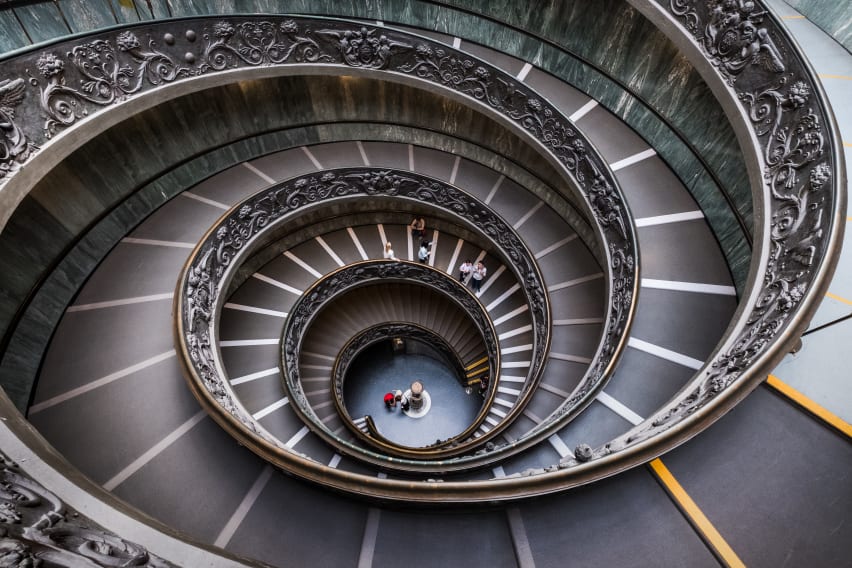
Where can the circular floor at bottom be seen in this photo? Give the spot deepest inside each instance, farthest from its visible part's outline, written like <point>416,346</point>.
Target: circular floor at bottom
<point>452,409</point>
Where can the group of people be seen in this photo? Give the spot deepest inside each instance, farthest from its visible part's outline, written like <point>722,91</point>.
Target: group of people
<point>469,272</point>
<point>422,253</point>
<point>475,273</point>
<point>396,397</point>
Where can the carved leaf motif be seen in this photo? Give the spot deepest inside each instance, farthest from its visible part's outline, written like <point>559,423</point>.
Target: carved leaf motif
<point>37,530</point>
<point>793,140</point>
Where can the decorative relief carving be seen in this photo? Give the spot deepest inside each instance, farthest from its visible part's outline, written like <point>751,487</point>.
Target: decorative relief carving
<point>104,71</point>
<point>732,34</point>
<point>333,286</point>
<point>369,48</point>
<point>14,146</point>
<point>259,43</point>
<point>37,529</point>
<point>203,279</point>
<point>774,90</point>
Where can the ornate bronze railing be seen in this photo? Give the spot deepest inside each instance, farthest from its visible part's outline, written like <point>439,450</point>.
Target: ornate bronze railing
<point>775,102</point>
<point>244,230</point>
<point>57,93</point>
<point>406,331</point>
<point>384,332</point>
<point>798,177</point>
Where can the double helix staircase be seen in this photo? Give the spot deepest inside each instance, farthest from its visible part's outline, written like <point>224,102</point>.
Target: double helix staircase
<point>112,399</point>
<point>253,315</point>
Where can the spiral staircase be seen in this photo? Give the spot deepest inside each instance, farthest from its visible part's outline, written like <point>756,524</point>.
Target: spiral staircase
<point>195,254</point>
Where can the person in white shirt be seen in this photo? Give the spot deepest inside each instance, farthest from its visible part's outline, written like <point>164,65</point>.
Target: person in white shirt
<point>423,253</point>
<point>389,251</point>
<point>479,273</point>
<point>465,270</point>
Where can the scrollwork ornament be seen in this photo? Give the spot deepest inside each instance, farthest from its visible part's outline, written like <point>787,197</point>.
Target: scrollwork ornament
<point>260,43</point>
<point>108,72</point>
<point>794,139</point>
<point>15,148</point>
<point>369,48</point>
<point>733,35</point>
<point>38,529</point>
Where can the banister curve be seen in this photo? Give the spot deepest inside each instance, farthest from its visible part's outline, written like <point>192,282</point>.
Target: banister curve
<point>803,202</point>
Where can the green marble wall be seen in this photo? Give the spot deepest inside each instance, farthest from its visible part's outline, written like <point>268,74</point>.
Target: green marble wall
<point>652,89</point>
<point>834,17</point>
<point>12,34</point>
<point>41,22</point>
<point>87,15</point>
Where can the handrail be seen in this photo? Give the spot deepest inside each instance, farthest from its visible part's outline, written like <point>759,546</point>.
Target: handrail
<point>801,225</point>
<point>162,63</point>
<point>369,337</point>
<point>800,201</point>
<point>334,286</point>
<point>799,176</point>
<point>243,230</point>
<point>159,68</point>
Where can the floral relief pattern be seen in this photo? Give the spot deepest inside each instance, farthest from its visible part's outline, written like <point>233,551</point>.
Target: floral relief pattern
<point>733,35</point>
<point>106,72</point>
<point>15,148</point>
<point>796,156</point>
<point>37,529</point>
<point>259,43</point>
<point>202,283</point>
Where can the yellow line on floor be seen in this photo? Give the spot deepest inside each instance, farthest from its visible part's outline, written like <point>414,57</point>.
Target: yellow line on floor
<point>698,519</point>
<point>838,298</point>
<point>830,76</point>
<point>848,144</point>
<point>819,411</point>
<point>794,17</point>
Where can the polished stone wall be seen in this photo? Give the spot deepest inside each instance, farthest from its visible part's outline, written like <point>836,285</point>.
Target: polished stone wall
<point>591,46</point>
<point>834,17</point>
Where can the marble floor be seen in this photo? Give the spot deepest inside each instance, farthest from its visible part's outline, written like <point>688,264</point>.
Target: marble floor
<point>378,371</point>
